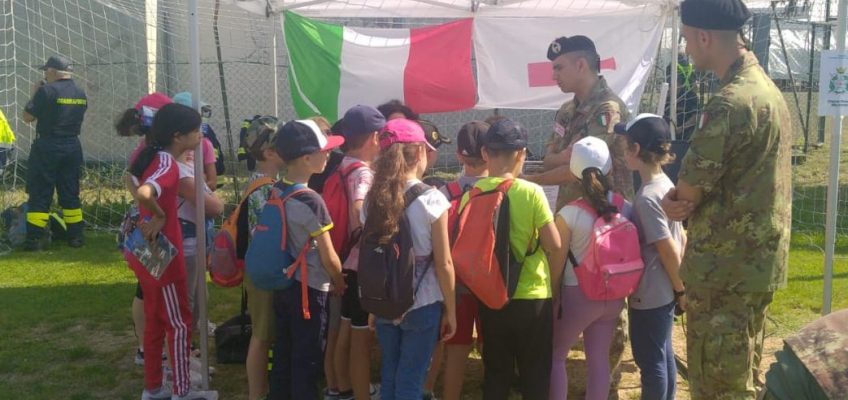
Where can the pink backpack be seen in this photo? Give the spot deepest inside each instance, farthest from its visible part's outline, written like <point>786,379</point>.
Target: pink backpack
<point>613,265</point>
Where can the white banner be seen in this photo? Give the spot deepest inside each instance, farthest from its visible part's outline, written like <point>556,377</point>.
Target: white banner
<point>833,83</point>
<point>514,72</point>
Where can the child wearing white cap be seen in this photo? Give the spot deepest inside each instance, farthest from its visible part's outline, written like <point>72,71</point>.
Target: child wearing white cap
<point>591,164</point>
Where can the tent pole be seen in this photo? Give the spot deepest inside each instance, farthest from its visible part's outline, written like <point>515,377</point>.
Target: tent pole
<point>675,49</point>
<point>275,27</point>
<point>200,209</point>
<point>833,181</point>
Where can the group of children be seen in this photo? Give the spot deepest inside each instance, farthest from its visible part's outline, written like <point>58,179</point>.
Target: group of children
<point>386,153</point>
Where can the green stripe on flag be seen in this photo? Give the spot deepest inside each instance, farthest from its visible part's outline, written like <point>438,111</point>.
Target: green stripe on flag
<point>315,50</point>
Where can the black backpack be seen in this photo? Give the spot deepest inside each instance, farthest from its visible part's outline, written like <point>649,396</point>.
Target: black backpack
<point>387,271</point>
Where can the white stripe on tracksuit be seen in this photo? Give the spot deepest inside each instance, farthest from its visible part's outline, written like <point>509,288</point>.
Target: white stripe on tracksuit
<point>178,347</point>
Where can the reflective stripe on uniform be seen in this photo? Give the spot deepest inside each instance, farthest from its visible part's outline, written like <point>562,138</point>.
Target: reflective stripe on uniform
<point>65,101</point>
<point>38,219</point>
<point>72,216</point>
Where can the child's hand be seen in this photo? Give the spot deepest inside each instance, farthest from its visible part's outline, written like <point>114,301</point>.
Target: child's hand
<point>448,326</point>
<point>150,229</point>
<point>338,284</point>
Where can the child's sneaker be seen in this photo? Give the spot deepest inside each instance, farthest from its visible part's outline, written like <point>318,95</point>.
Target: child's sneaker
<point>348,395</point>
<point>429,396</point>
<point>331,394</point>
<point>375,391</point>
<point>197,395</point>
<point>196,364</point>
<point>163,393</point>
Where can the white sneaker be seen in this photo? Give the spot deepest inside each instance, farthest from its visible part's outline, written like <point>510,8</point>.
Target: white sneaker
<point>163,393</point>
<point>197,395</point>
<point>194,376</point>
<point>374,391</point>
<point>196,364</point>
<point>211,328</point>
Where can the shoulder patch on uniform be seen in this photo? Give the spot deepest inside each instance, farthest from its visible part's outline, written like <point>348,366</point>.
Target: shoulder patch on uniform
<point>604,119</point>
<point>559,129</point>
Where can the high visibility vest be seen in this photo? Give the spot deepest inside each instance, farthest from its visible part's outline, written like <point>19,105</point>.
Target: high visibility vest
<point>7,137</point>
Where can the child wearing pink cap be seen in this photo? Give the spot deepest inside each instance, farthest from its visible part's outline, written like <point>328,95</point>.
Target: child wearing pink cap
<point>407,343</point>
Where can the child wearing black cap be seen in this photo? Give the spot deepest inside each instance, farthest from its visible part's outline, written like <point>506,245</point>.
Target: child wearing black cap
<point>299,344</point>
<point>652,305</point>
<point>520,333</point>
<point>469,147</point>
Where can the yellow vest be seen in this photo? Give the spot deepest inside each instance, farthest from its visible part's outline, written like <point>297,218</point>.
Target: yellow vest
<point>6,134</point>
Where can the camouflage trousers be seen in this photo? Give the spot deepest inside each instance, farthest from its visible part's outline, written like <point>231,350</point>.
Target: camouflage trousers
<point>724,342</point>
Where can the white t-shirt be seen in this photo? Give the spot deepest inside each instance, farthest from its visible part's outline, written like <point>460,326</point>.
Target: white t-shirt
<point>425,210</point>
<point>186,210</point>
<point>581,223</point>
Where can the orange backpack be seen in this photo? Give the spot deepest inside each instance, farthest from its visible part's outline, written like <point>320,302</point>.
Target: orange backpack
<point>226,255</point>
<point>482,254</point>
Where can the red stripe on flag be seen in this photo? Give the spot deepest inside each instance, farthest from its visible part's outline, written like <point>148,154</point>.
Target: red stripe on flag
<point>438,75</point>
<point>540,74</point>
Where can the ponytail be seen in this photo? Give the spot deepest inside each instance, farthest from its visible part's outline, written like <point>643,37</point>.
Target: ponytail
<point>596,187</point>
<point>129,124</point>
<point>386,200</point>
<point>172,120</point>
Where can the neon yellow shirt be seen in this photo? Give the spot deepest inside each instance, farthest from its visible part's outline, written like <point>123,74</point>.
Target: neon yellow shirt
<point>6,134</point>
<point>528,212</point>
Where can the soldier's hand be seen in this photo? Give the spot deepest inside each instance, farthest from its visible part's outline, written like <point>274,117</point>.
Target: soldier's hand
<point>676,210</point>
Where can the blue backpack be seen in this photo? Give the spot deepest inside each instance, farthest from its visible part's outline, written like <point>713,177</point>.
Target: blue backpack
<point>269,262</point>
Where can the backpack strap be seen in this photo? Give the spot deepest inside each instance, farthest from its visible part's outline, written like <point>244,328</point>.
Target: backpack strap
<point>414,192</point>
<point>454,190</point>
<point>299,264</point>
<point>410,196</point>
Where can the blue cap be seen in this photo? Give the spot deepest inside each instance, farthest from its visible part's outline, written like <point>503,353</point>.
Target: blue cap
<point>359,120</point>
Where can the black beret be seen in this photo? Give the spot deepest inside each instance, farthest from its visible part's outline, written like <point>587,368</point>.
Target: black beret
<point>719,15</point>
<point>565,44</point>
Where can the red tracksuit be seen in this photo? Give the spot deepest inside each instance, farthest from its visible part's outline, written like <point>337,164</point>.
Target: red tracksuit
<point>166,307</point>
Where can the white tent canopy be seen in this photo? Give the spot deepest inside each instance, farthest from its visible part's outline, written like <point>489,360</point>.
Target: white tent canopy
<point>444,8</point>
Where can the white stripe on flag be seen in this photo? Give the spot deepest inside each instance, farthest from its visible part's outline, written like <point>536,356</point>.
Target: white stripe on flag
<point>372,67</point>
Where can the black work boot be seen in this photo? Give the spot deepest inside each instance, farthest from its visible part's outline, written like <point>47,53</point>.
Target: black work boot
<point>36,239</point>
<point>76,239</point>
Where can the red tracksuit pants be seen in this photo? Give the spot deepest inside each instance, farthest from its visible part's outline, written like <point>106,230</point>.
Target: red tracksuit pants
<point>166,312</point>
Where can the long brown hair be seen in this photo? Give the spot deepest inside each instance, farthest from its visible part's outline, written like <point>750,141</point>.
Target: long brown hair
<point>595,187</point>
<point>385,202</point>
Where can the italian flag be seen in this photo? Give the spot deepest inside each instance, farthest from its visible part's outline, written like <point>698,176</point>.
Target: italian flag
<point>334,67</point>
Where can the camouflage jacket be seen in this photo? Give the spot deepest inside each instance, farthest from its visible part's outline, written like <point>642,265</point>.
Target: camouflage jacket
<point>823,348</point>
<point>740,157</point>
<point>594,117</point>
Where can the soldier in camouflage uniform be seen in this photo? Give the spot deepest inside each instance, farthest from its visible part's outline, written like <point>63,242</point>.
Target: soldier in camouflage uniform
<point>813,364</point>
<point>594,111</point>
<point>735,188</point>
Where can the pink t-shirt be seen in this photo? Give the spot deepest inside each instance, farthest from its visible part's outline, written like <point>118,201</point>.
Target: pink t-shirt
<point>358,184</point>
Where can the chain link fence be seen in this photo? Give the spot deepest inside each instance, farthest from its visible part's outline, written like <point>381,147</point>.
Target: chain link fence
<point>122,49</point>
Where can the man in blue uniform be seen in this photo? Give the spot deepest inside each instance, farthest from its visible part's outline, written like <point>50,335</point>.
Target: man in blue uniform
<point>55,161</point>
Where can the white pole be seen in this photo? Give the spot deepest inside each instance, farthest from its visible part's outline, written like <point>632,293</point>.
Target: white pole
<point>663,98</point>
<point>675,48</point>
<point>151,15</point>
<point>275,26</point>
<point>200,194</point>
<point>833,181</point>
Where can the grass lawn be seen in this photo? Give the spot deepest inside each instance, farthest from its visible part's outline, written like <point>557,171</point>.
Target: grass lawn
<point>66,331</point>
